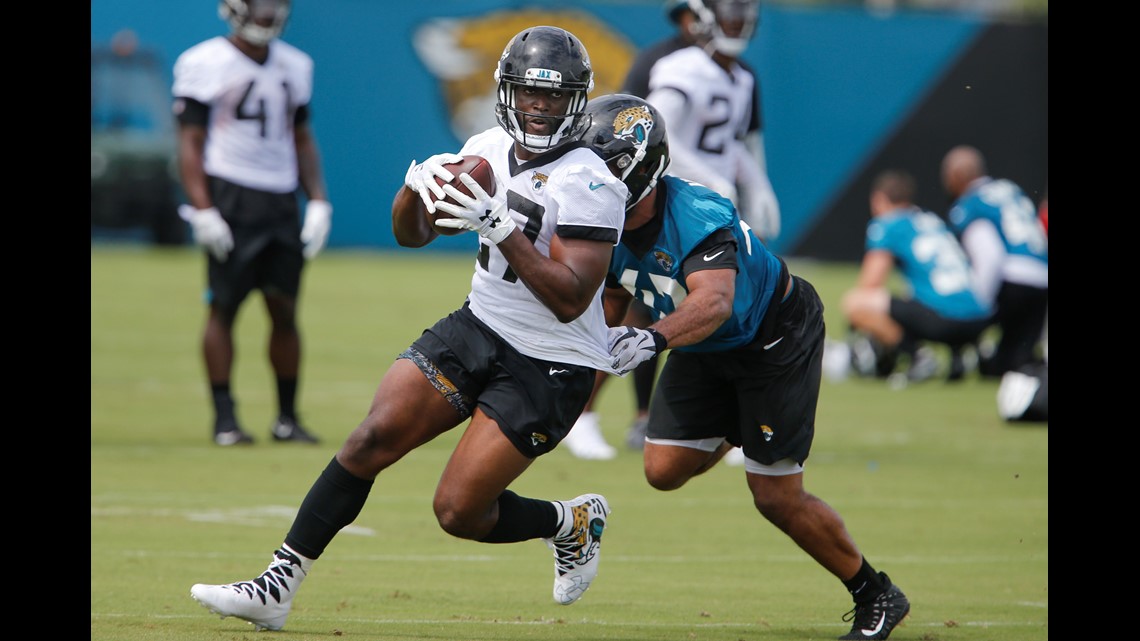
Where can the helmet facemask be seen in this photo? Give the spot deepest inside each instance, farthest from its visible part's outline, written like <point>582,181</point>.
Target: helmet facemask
<point>712,13</point>
<point>510,117</point>
<point>243,17</point>
<point>545,58</point>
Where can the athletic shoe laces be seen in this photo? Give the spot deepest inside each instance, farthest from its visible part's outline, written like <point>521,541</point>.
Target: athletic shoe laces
<point>274,581</point>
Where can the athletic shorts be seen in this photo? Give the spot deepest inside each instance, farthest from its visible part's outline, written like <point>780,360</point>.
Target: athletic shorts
<point>267,245</point>
<point>535,402</point>
<point>924,323</point>
<point>761,396</point>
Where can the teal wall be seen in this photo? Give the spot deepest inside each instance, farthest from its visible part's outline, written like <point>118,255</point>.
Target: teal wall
<point>835,84</point>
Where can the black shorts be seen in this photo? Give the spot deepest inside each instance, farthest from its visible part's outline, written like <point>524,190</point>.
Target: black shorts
<point>762,396</point>
<point>923,323</point>
<point>267,245</point>
<point>535,402</point>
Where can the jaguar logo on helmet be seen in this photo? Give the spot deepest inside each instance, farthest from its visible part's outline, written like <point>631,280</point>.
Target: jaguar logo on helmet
<point>629,134</point>
<point>633,124</point>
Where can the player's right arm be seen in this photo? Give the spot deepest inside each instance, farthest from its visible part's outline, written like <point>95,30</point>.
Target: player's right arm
<point>192,116</point>
<point>409,224</point>
<point>876,268</point>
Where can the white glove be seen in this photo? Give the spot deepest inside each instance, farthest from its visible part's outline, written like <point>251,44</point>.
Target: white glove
<point>482,213</point>
<point>210,230</point>
<point>762,213</point>
<point>318,221</point>
<point>421,178</point>
<point>631,346</point>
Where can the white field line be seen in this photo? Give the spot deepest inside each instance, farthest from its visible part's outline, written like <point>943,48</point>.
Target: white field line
<point>309,618</point>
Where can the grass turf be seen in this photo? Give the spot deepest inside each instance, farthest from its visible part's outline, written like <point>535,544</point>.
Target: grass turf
<point>935,488</point>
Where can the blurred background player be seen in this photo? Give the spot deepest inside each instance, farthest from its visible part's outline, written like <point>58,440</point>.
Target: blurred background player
<point>712,100</point>
<point>746,339</point>
<point>516,361</point>
<point>942,304</point>
<point>1002,233</point>
<point>245,145</point>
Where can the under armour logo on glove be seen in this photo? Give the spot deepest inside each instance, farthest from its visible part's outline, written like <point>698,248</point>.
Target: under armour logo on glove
<point>495,224</point>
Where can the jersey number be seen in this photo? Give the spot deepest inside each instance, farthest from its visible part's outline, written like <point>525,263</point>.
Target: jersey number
<point>249,109</point>
<point>716,133</point>
<point>936,246</point>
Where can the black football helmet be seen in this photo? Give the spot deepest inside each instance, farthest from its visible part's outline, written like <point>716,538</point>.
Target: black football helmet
<point>629,134</point>
<point>547,57</point>
<point>255,21</point>
<point>714,15</point>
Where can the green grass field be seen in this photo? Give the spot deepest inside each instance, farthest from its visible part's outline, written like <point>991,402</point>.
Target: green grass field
<point>936,489</point>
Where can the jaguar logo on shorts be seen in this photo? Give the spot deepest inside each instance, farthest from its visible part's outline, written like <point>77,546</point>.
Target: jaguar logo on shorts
<point>537,439</point>
<point>538,180</point>
<point>767,432</point>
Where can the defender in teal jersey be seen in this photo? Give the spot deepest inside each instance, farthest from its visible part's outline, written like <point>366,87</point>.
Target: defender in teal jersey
<point>747,345</point>
<point>1004,237</point>
<point>943,304</point>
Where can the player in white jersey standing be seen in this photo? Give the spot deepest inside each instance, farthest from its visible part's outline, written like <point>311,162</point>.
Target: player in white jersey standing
<point>710,100</point>
<point>245,146</point>
<point>516,361</point>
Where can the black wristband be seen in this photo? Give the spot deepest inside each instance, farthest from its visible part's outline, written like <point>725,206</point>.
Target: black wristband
<point>658,339</point>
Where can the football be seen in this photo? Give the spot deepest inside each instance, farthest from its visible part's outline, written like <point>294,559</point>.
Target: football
<point>479,169</point>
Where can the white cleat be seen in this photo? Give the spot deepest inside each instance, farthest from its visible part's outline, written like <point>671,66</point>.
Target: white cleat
<point>585,439</point>
<point>264,602</point>
<point>577,546</point>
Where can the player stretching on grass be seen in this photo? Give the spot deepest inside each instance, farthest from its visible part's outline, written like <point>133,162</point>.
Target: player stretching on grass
<point>747,346</point>
<point>518,358</point>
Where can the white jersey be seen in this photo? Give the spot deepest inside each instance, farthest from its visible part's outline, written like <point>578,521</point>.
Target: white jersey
<point>707,110</point>
<point>252,106</point>
<point>569,192</point>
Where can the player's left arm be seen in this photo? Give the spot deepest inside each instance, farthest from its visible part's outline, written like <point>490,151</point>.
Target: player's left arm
<point>710,278</point>
<point>309,168</point>
<point>591,211</point>
<point>615,301</point>
<point>758,200</point>
<point>568,280</point>
<point>707,306</point>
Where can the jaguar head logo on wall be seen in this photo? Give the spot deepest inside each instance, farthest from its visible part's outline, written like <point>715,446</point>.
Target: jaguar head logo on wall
<point>462,54</point>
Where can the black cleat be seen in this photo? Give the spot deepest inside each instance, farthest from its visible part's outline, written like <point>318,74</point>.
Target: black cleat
<point>288,429</point>
<point>874,620</point>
